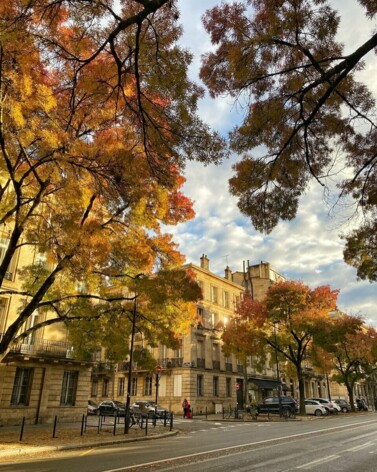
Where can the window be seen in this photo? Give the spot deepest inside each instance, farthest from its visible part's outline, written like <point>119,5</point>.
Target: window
<point>178,353</point>
<point>148,386</point>
<point>105,387</point>
<point>177,385</point>
<point>94,391</point>
<point>214,319</point>
<point>68,395</point>
<point>200,386</point>
<point>134,386</point>
<point>22,386</point>
<point>215,385</point>
<point>201,286</point>
<point>228,387</point>
<point>226,299</point>
<point>3,314</point>
<point>121,382</point>
<point>10,273</point>
<point>214,294</point>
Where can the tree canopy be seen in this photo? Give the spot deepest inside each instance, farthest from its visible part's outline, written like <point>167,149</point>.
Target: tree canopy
<point>351,348</point>
<point>288,321</point>
<point>93,143</point>
<point>307,115</point>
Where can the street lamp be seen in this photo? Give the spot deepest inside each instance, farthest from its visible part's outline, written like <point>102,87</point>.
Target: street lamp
<point>277,365</point>
<point>128,399</point>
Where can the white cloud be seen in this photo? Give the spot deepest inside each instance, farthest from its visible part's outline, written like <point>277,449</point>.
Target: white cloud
<point>308,248</point>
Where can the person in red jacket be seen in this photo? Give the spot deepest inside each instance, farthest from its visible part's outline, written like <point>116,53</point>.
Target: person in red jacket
<point>186,407</point>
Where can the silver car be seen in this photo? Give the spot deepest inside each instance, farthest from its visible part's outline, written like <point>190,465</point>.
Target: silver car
<point>329,405</point>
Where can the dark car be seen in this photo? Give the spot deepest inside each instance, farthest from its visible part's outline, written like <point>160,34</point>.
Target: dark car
<point>345,407</point>
<point>283,404</point>
<point>92,408</point>
<point>149,407</point>
<point>111,407</point>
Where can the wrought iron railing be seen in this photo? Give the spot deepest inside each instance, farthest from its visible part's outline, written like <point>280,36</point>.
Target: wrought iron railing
<point>170,362</point>
<point>228,367</point>
<point>44,348</point>
<point>216,365</point>
<point>200,362</point>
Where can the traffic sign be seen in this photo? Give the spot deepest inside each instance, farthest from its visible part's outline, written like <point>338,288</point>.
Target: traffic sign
<point>158,369</point>
<point>237,386</point>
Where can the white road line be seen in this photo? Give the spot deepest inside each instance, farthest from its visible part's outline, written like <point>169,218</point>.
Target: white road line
<point>358,448</point>
<point>230,448</point>
<point>323,460</point>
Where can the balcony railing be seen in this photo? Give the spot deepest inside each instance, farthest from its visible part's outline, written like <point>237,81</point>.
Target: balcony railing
<point>44,348</point>
<point>170,362</point>
<point>216,365</point>
<point>228,367</point>
<point>240,368</point>
<point>200,362</point>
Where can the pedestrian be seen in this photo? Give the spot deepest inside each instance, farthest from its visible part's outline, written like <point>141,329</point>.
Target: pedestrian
<point>186,407</point>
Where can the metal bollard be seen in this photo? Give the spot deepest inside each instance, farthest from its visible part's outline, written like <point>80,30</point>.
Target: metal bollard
<point>54,428</point>
<point>115,423</point>
<point>146,425</point>
<point>82,425</point>
<point>171,421</point>
<point>22,428</point>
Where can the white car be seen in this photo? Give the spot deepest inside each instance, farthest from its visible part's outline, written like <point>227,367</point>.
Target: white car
<point>329,405</point>
<point>313,407</point>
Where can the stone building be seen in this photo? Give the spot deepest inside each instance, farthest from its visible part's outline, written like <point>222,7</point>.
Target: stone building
<point>39,377</point>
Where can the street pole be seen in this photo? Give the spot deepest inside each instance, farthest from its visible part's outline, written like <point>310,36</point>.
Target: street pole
<point>128,399</point>
<point>277,367</point>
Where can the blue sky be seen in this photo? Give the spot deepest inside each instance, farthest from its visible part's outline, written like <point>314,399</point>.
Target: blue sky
<point>307,249</point>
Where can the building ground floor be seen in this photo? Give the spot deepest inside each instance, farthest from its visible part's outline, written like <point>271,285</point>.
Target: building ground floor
<point>206,390</point>
<point>40,389</point>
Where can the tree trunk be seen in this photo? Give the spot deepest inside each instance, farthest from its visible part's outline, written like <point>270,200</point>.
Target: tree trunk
<point>301,389</point>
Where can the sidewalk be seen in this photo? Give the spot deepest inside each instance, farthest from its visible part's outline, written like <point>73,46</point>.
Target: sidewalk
<point>37,439</point>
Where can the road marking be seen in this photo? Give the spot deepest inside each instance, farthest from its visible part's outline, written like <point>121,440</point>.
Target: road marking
<point>323,460</point>
<point>358,448</point>
<point>230,448</point>
<point>87,452</point>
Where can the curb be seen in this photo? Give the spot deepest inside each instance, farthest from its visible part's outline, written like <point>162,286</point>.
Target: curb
<point>36,449</point>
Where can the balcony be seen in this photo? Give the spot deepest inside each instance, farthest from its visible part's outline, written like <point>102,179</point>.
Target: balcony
<point>170,362</point>
<point>44,348</point>
<point>200,363</point>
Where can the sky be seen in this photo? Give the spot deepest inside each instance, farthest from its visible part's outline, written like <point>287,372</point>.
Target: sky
<point>308,248</point>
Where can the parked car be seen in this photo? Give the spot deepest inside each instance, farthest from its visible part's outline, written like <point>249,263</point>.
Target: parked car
<point>149,407</point>
<point>110,407</point>
<point>313,407</point>
<point>92,408</point>
<point>329,405</point>
<point>272,405</point>
<point>345,407</point>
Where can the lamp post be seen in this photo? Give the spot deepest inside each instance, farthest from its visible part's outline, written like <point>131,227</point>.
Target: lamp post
<point>277,365</point>
<point>128,399</point>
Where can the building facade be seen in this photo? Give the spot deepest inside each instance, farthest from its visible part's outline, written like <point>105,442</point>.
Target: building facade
<point>39,376</point>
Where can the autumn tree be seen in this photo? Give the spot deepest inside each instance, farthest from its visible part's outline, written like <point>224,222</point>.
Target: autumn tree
<point>294,315</point>
<point>242,336</point>
<point>307,116</point>
<point>93,142</point>
<point>353,349</point>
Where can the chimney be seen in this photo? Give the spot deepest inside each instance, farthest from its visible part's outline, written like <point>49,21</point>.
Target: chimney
<point>204,262</point>
<point>228,273</point>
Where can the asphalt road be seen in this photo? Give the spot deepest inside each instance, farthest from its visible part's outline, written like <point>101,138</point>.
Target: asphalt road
<point>345,443</point>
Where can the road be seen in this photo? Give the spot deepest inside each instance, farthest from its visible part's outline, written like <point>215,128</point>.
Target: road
<point>346,443</point>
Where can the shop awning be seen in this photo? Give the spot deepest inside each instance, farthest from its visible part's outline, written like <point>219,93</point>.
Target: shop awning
<point>265,384</point>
